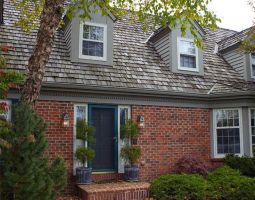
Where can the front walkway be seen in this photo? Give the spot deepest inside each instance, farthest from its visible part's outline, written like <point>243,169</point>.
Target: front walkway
<point>115,191</point>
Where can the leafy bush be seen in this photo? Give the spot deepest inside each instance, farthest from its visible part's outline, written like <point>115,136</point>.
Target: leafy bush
<point>131,154</point>
<point>85,132</point>
<point>84,154</point>
<point>179,187</point>
<point>227,184</point>
<point>245,165</point>
<point>191,165</point>
<point>129,130</point>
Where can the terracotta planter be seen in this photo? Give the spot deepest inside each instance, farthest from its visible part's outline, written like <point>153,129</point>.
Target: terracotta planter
<point>131,173</point>
<point>83,175</point>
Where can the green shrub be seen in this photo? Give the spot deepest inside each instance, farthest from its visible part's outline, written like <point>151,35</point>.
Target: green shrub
<point>131,154</point>
<point>179,187</point>
<point>245,165</point>
<point>227,184</point>
<point>84,154</point>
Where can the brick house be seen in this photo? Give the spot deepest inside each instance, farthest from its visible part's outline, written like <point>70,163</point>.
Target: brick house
<point>197,102</point>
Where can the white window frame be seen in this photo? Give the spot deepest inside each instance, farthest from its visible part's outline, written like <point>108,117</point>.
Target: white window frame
<point>104,42</point>
<point>216,155</point>
<point>75,163</point>
<point>250,132</point>
<point>179,39</point>
<point>251,67</point>
<point>10,108</point>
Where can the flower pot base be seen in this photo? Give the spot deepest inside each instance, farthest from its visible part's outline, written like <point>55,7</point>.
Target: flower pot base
<point>83,175</point>
<point>131,174</point>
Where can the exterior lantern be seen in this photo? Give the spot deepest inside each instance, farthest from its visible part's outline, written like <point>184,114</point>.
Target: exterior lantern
<point>140,121</point>
<point>65,120</point>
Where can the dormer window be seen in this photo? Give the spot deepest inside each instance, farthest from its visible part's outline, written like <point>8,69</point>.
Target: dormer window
<point>253,65</point>
<point>93,41</point>
<point>187,55</point>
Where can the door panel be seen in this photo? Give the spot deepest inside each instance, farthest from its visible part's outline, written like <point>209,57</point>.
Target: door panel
<point>103,119</point>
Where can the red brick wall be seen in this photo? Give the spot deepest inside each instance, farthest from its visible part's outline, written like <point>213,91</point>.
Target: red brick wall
<point>169,134</point>
<point>60,139</point>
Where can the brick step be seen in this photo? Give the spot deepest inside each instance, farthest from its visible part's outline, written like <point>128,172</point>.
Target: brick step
<point>115,191</point>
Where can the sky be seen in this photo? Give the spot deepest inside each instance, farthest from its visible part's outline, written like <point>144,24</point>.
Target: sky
<point>235,14</point>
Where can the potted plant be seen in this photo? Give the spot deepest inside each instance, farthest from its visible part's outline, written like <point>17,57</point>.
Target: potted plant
<point>130,152</point>
<point>83,153</point>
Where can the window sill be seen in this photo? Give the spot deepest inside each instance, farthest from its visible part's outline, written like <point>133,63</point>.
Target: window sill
<point>93,58</point>
<point>188,69</point>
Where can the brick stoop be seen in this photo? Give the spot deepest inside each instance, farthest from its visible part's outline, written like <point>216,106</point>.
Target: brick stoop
<point>115,191</point>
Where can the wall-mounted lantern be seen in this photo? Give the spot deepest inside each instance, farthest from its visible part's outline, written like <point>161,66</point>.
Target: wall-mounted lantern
<point>140,121</point>
<point>66,121</point>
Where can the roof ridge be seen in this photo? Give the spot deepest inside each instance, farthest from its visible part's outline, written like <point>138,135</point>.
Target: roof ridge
<point>237,33</point>
<point>227,29</point>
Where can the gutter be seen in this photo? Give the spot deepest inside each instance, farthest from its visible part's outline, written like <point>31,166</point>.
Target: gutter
<point>81,89</point>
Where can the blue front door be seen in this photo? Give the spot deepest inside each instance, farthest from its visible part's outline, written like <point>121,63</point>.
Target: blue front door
<point>104,119</point>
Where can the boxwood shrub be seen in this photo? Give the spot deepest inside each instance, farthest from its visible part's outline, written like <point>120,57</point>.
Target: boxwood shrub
<point>227,184</point>
<point>246,165</point>
<point>179,187</point>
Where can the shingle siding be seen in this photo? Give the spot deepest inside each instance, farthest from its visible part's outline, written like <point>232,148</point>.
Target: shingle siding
<point>236,60</point>
<point>163,47</point>
<point>67,35</point>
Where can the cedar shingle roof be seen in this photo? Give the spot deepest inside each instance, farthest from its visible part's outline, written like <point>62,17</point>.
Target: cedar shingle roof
<point>233,39</point>
<point>136,65</point>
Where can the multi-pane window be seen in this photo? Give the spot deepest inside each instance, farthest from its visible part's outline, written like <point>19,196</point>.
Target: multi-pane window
<point>227,132</point>
<point>252,129</point>
<point>5,109</point>
<point>187,54</point>
<point>93,41</point>
<point>253,65</point>
<point>124,115</point>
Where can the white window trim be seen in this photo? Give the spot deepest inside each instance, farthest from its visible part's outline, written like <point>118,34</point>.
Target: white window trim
<point>104,42</point>
<point>216,155</point>
<point>10,108</point>
<point>179,39</point>
<point>74,132</point>
<point>251,67</point>
<point>250,132</point>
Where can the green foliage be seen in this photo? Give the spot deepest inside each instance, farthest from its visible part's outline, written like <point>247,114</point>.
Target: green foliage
<point>179,187</point>
<point>58,174</point>
<point>8,79</point>
<point>129,130</point>
<point>84,154</point>
<point>131,154</point>
<point>226,183</point>
<point>154,12</point>
<point>248,45</point>
<point>85,132</point>
<point>26,172</point>
<point>245,165</point>
<point>30,11</point>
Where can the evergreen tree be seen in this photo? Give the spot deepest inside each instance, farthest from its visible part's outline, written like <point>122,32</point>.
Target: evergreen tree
<point>25,172</point>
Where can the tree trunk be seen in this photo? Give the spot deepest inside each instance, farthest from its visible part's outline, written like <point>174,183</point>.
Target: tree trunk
<point>49,22</point>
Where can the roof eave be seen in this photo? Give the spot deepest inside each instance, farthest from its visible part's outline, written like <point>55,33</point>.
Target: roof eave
<point>145,93</point>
